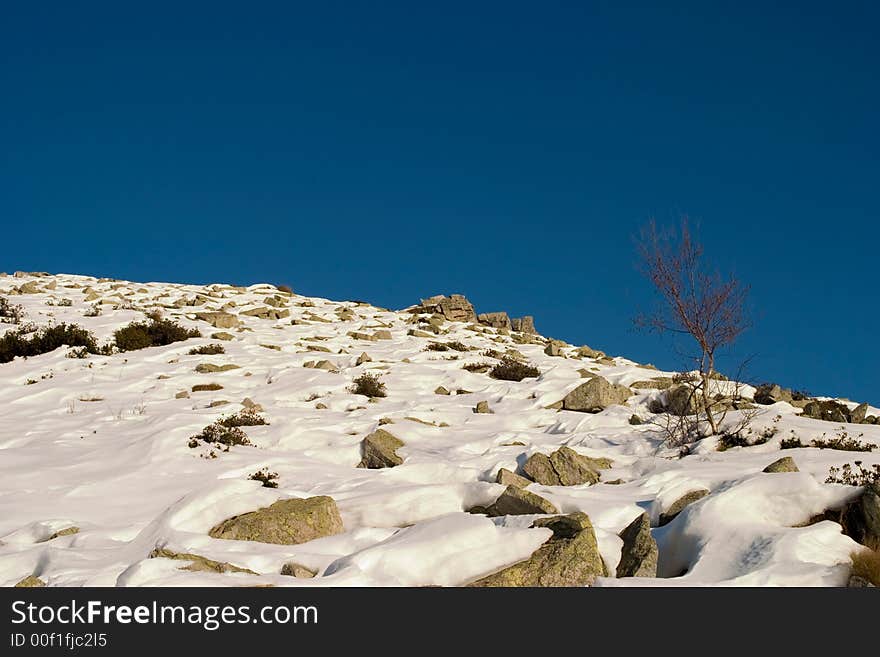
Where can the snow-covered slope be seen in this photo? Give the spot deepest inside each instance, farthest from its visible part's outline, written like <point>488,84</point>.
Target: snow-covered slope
<point>102,443</point>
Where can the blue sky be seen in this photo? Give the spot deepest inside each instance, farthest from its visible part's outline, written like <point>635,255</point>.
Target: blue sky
<point>508,151</point>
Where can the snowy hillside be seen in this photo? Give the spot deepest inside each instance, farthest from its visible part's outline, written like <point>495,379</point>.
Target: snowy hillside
<point>108,443</point>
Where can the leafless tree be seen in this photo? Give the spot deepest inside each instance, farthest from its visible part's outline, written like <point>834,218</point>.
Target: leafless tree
<point>695,301</point>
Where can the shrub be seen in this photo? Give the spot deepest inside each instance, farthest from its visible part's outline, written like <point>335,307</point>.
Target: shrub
<point>368,384</point>
<point>217,434</point>
<point>477,368</point>
<point>26,341</point>
<point>10,313</point>
<point>156,332</point>
<point>207,350</point>
<point>93,311</point>
<point>510,369</point>
<point>842,441</point>
<point>284,288</point>
<point>266,477</point>
<point>206,387</point>
<point>455,345</point>
<point>436,346</point>
<point>246,418</point>
<point>858,477</point>
<point>791,443</point>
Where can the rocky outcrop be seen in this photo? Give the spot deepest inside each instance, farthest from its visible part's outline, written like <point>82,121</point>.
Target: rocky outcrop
<point>379,450</point>
<point>219,319</point>
<point>678,506</point>
<point>595,395</point>
<point>525,324</point>
<point>286,522</point>
<point>828,410</point>
<point>638,557</point>
<point>555,348</point>
<point>455,308</point>
<point>785,464</point>
<point>498,320</point>
<point>570,557</point>
<point>199,563</point>
<point>517,502</point>
<point>564,467</point>
<point>770,393</point>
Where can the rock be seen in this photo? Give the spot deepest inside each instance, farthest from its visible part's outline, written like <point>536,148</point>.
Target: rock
<point>587,352</point>
<point>525,324</point>
<point>869,505</point>
<point>440,390</point>
<point>828,410</point>
<point>199,563</point>
<point>219,319</point>
<point>517,502</point>
<point>294,569</point>
<point>286,522</point>
<point>785,464</point>
<point>419,334</point>
<point>682,399</point>
<point>569,558</point>
<point>359,335</point>
<point>67,531</point>
<point>657,383</point>
<point>770,393</point>
<point>222,335</point>
<point>383,335</point>
<point>30,582</point>
<point>211,368</point>
<point>638,557</point>
<point>857,582</point>
<point>572,468</point>
<point>379,450</point>
<point>498,320</point>
<point>635,420</point>
<point>455,308</point>
<point>29,288</point>
<point>595,395</point>
<point>320,406</point>
<point>678,506</point>
<point>250,404</point>
<point>363,358</point>
<point>483,407</point>
<point>564,467</point>
<point>859,413</point>
<point>555,348</point>
<point>509,478</point>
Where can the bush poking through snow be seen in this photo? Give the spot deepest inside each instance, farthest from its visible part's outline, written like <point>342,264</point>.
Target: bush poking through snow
<point>368,384</point>
<point>207,350</point>
<point>156,332</point>
<point>10,313</point>
<point>246,418</point>
<point>858,476</point>
<point>843,441</point>
<point>217,434</point>
<point>25,341</point>
<point>510,369</point>
<point>267,478</point>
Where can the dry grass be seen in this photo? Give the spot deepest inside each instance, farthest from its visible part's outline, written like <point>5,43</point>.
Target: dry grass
<point>866,563</point>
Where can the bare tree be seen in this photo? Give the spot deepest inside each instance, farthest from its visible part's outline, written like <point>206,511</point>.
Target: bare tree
<point>694,301</point>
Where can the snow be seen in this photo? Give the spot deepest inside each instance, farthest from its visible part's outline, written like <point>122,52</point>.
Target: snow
<point>101,443</point>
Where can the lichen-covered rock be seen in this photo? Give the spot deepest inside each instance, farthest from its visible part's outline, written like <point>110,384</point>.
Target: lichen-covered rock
<point>455,308</point>
<point>555,348</point>
<point>570,557</point>
<point>828,410</point>
<point>67,531</point>
<point>482,407</point>
<point>219,319</point>
<point>638,557</point>
<point>286,522</point>
<point>525,324</point>
<point>293,569</point>
<point>440,390</point>
<point>509,478</point>
<point>869,505</point>
<point>683,399</point>
<point>564,467</point>
<point>595,395</point>
<point>538,468</point>
<point>785,464</point>
<point>678,506</point>
<point>30,582</point>
<point>199,563</point>
<point>379,450</point>
<point>516,502</point>
<point>772,393</point>
<point>495,320</point>
<point>859,413</point>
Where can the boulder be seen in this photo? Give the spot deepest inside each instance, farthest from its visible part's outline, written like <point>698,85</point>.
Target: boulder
<point>517,502</point>
<point>588,352</point>
<point>67,531</point>
<point>678,506</point>
<point>221,320</point>
<point>383,334</point>
<point>379,450</point>
<point>222,335</point>
<point>595,395</point>
<point>525,324</point>
<point>498,320</point>
<point>30,582</point>
<point>682,399</point>
<point>483,407</point>
<point>570,557</point>
<point>638,557</point>
<point>509,478</point>
<point>454,308</point>
<point>440,390</point>
<point>199,563</point>
<point>869,505</point>
<point>828,410</point>
<point>286,522</point>
<point>785,464</point>
<point>770,393</point>
<point>555,348</point>
<point>293,569</point>
<point>211,368</point>
<point>564,467</point>
<point>859,413</point>
<point>363,358</point>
